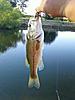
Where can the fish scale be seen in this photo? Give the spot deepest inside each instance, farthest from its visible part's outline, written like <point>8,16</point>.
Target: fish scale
<point>33,49</point>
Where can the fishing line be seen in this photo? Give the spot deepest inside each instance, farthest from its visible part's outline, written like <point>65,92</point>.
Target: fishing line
<point>57,79</point>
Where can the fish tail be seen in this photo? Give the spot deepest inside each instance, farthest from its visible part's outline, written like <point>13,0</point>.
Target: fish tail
<point>34,82</point>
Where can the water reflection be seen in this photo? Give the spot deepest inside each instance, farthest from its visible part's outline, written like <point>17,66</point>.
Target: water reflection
<point>34,50</point>
<point>49,37</point>
<point>58,74</point>
<point>8,39</point>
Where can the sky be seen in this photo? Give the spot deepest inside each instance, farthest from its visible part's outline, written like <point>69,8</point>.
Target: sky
<point>32,4</point>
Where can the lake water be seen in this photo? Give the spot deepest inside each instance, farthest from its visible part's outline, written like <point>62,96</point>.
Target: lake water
<point>57,78</point>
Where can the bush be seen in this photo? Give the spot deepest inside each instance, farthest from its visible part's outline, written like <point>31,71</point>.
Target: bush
<point>9,17</point>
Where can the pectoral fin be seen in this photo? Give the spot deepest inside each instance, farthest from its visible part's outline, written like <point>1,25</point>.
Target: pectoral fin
<point>41,65</point>
<point>27,64</point>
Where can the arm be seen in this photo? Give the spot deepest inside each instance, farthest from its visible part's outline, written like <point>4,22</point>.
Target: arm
<point>58,8</point>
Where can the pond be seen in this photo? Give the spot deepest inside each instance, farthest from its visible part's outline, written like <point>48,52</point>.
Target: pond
<point>57,79</point>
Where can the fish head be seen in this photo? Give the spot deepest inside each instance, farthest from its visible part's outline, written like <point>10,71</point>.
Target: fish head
<point>34,27</point>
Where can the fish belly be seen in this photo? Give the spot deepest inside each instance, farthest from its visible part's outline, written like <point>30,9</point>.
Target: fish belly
<point>33,56</point>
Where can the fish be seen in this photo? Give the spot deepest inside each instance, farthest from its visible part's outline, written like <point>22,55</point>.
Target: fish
<point>34,50</point>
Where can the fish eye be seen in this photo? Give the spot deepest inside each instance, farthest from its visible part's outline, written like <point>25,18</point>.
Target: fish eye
<point>29,25</point>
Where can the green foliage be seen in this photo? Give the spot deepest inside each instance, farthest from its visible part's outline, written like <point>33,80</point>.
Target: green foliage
<point>50,36</point>
<point>9,16</point>
<point>9,39</point>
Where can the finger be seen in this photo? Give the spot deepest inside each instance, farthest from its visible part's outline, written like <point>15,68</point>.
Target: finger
<point>38,10</point>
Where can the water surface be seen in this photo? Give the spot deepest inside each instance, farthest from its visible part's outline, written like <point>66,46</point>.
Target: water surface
<point>58,73</point>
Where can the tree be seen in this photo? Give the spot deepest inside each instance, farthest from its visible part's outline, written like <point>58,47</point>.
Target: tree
<point>9,17</point>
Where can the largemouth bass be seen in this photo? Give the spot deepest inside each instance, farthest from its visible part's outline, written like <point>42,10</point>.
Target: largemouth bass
<point>34,48</point>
